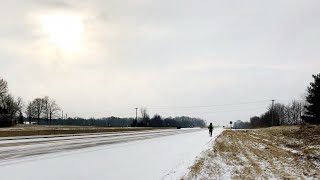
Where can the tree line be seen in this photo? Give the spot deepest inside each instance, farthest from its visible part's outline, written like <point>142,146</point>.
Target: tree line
<point>12,109</point>
<point>276,115</point>
<point>45,111</point>
<point>155,121</point>
<point>142,121</point>
<point>158,121</point>
<point>42,108</point>
<point>293,113</point>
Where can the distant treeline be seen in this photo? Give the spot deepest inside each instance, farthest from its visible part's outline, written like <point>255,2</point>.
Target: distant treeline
<point>296,112</point>
<point>156,121</point>
<point>279,114</point>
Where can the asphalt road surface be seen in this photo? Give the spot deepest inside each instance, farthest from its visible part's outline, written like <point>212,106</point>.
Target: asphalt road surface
<point>20,148</point>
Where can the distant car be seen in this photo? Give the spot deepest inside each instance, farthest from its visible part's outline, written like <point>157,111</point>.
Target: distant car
<point>178,127</point>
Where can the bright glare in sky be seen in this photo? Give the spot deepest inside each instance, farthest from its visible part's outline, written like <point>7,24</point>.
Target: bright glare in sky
<point>65,31</point>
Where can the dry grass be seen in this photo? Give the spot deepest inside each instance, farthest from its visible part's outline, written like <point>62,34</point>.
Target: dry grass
<point>290,152</point>
<point>197,166</point>
<point>30,130</point>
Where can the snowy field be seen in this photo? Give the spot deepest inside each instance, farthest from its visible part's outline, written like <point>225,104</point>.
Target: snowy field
<point>158,157</point>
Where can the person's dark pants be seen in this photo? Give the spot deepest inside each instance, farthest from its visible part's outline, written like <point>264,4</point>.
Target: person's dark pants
<point>210,132</point>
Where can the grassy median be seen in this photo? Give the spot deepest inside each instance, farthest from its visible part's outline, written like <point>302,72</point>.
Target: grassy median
<point>31,130</point>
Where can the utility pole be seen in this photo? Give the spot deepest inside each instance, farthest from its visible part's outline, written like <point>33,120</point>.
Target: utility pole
<point>136,114</point>
<point>272,112</point>
<point>62,118</point>
<point>136,121</point>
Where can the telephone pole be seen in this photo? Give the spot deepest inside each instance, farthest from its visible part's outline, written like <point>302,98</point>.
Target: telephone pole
<point>272,112</point>
<point>136,114</point>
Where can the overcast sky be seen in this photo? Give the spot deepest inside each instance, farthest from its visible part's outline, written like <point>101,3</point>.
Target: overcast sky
<point>217,60</point>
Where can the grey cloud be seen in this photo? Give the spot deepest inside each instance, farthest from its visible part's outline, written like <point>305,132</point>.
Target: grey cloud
<point>54,3</point>
<point>165,53</point>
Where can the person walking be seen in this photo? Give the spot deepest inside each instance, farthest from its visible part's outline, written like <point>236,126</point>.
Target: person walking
<point>210,127</point>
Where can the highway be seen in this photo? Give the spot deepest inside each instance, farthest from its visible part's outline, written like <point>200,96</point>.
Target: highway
<point>24,148</point>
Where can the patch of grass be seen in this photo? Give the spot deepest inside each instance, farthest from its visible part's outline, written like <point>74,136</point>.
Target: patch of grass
<point>197,166</point>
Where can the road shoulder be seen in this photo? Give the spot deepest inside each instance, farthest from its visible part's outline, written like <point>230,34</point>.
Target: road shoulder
<point>267,153</point>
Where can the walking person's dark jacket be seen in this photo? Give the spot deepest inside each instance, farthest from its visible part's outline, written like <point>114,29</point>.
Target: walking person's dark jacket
<point>210,127</point>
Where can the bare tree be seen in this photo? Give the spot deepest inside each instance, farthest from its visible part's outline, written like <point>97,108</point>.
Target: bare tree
<point>3,92</point>
<point>144,112</point>
<point>45,108</point>
<point>294,111</point>
<point>38,107</point>
<point>3,87</point>
<point>9,107</point>
<point>279,113</point>
<point>50,109</point>
<point>20,106</point>
<point>297,109</point>
<point>145,117</point>
<point>53,110</point>
<point>30,111</point>
<point>8,110</point>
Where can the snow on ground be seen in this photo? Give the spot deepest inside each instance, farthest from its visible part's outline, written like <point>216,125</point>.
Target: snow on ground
<point>255,154</point>
<point>160,158</point>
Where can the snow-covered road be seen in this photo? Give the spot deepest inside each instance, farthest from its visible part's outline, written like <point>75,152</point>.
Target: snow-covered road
<point>155,155</point>
<point>22,147</point>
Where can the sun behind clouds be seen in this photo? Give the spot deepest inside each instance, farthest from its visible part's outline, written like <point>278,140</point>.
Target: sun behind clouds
<point>66,31</point>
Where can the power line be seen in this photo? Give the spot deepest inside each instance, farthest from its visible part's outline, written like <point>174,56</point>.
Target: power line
<point>218,108</point>
<point>198,108</point>
<point>176,107</point>
<point>236,110</point>
<point>204,106</point>
<point>281,100</point>
<point>212,112</point>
